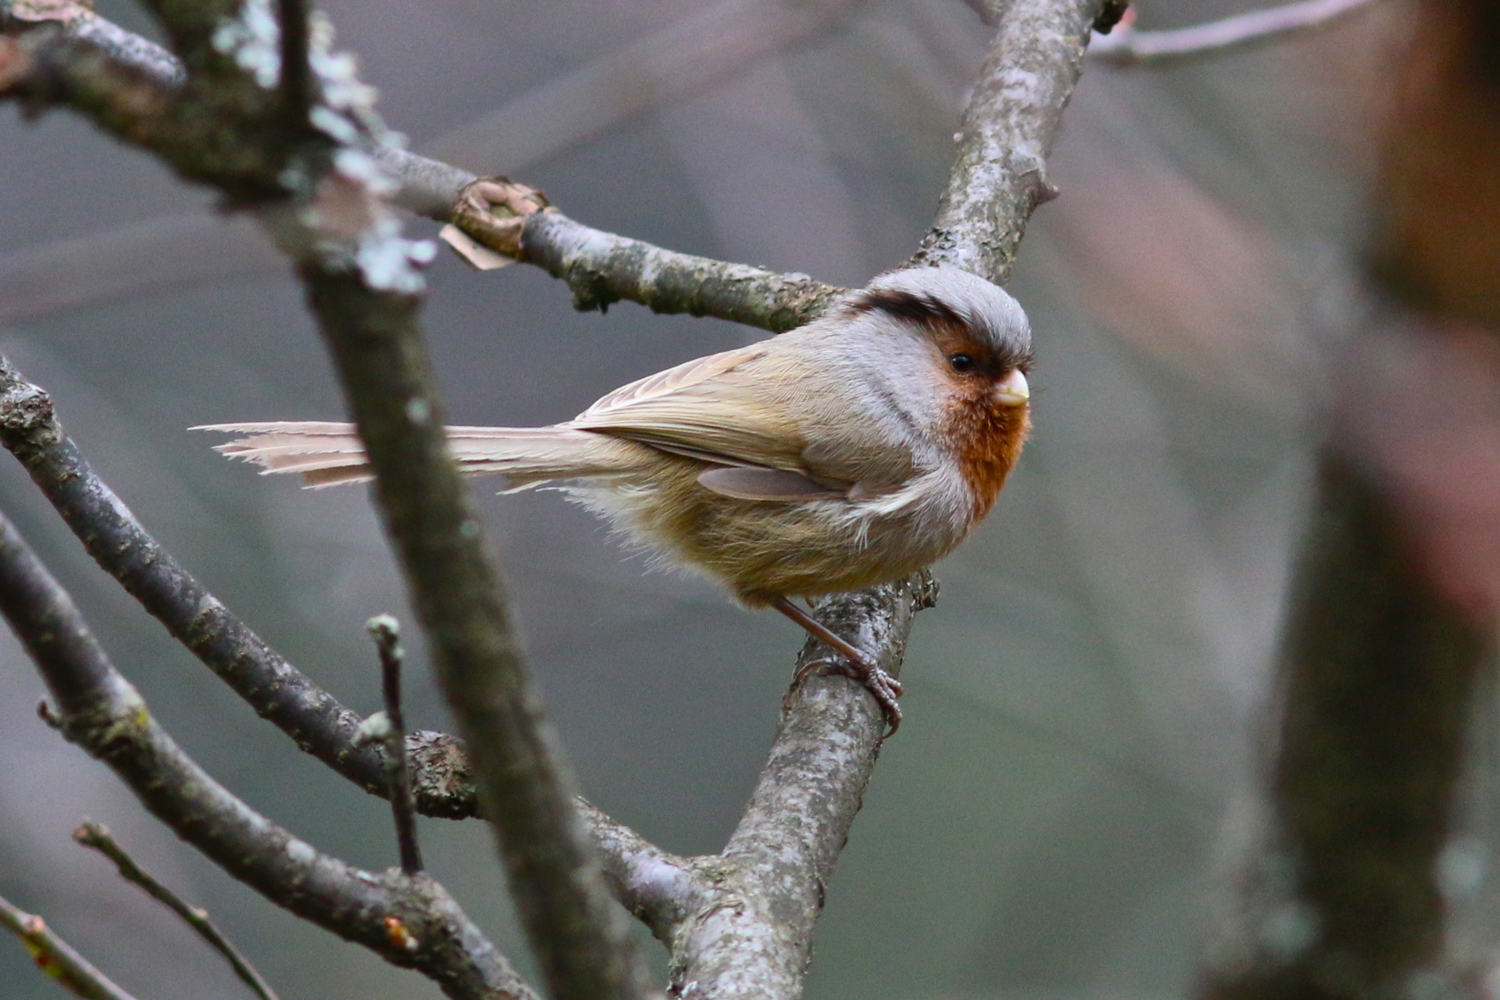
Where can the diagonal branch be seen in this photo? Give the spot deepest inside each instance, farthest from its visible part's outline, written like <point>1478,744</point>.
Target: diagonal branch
<point>442,778</point>
<point>56,957</point>
<point>97,837</point>
<point>1006,134</point>
<point>775,870</point>
<point>278,691</point>
<point>600,268</point>
<point>1128,46</point>
<point>103,713</point>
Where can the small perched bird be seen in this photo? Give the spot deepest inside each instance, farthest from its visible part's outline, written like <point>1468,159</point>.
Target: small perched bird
<point>848,452</point>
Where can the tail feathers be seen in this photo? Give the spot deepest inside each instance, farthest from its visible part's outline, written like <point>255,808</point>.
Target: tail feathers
<point>328,454</point>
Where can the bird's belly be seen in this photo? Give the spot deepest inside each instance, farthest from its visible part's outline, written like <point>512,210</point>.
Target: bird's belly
<point>763,549</point>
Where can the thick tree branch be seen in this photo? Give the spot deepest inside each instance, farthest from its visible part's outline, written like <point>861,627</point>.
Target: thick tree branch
<point>1127,46</point>
<point>581,942</point>
<point>751,934</point>
<point>1007,132</point>
<point>104,714</point>
<point>360,278</point>
<point>56,957</point>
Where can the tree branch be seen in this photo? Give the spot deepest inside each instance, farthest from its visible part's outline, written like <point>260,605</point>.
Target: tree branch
<point>1007,132</point>
<point>1128,46</point>
<point>362,286</point>
<point>660,889</point>
<point>602,268</point>
<point>525,791</point>
<point>56,957</point>
<point>96,836</point>
<point>104,714</point>
<point>750,933</point>
<point>599,267</point>
<point>278,691</point>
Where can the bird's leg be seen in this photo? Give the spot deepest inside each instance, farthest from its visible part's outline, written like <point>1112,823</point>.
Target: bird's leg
<point>855,665</point>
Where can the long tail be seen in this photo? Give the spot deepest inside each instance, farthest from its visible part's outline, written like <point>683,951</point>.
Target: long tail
<point>331,453</point>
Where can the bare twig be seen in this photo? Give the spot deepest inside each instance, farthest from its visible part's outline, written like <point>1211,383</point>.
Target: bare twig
<point>56,957</point>
<point>387,635</point>
<point>103,713</point>
<point>97,837</point>
<point>1129,46</point>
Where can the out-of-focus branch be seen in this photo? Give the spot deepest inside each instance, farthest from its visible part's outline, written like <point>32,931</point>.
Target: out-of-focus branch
<point>97,837</point>
<point>1376,678</point>
<point>56,957</point>
<point>362,286</point>
<point>776,871</point>
<point>582,943</point>
<point>1395,604</point>
<point>1007,132</point>
<point>1128,46</point>
<point>104,714</point>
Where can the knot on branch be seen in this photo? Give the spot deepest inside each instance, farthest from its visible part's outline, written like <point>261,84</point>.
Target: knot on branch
<point>442,778</point>
<point>493,211</point>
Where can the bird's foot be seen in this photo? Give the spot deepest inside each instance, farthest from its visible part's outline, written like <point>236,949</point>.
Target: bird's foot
<point>881,685</point>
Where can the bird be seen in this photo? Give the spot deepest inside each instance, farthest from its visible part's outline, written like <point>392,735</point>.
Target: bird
<point>851,451</point>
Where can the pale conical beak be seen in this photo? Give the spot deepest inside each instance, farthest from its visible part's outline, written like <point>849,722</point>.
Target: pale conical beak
<point>1012,390</point>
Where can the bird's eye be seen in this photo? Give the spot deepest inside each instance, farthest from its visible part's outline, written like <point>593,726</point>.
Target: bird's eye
<point>961,363</point>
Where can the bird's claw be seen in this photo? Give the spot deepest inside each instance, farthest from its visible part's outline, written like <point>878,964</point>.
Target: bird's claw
<point>872,676</point>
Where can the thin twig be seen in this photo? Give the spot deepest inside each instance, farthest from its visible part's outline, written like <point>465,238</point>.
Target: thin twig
<point>103,713</point>
<point>97,837</point>
<point>387,635</point>
<point>1129,46</point>
<point>56,957</point>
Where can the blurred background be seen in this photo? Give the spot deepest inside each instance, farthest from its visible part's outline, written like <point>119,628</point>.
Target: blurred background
<point>1084,703</point>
